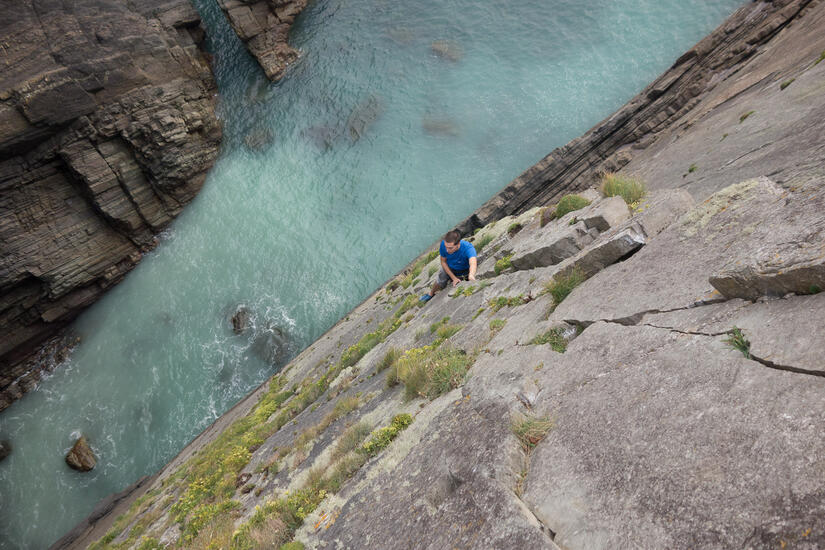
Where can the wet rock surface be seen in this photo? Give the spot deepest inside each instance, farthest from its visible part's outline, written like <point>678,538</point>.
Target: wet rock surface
<point>80,457</point>
<point>106,131</point>
<point>264,28</point>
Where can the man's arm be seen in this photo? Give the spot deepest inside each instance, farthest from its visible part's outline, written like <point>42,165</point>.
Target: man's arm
<point>449,271</point>
<point>473,267</point>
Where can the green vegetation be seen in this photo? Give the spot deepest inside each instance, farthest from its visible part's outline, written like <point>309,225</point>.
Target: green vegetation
<point>433,269</point>
<point>469,290</point>
<point>294,545</point>
<point>628,188</point>
<point>277,520</point>
<point>723,137</point>
<point>514,228</point>
<point>503,301</point>
<point>559,287</point>
<point>821,57</point>
<point>570,203</point>
<point>354,353</point>
<point>443,321</point>
<point>497,324</point>
<point>389,360</point>
<point>554,337</point>
<point>392,285</point>
<point>482,242</point>
<point>351,439</point>
<point>787,83</point>
<point>692,168</point>
<point>530,430</point>
<point>417,268</point>
<point>477,313</point>
<point>430,371</point>
<point>382,437</point>
<point>744,116</point>
<point>737,340</point>
<point>546,215</point>
<point>503,264</point>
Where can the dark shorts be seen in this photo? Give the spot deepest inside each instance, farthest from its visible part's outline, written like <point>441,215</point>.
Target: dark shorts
<point>443,279</point>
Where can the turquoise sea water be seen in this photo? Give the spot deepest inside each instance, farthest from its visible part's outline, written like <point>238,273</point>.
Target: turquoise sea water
<point>368,150</point>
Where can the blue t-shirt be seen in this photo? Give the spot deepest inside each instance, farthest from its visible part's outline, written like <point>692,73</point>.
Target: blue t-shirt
<point>460,259</point>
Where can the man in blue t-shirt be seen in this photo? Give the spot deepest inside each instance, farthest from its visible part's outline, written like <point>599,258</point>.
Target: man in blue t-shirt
<point>458,261</point>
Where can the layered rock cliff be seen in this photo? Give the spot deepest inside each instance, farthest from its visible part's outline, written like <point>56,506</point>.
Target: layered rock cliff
<point>624,375</point>
<point>107,130</point>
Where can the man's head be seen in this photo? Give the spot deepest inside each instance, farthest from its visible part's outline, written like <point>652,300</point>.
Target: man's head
<point>452,240</point>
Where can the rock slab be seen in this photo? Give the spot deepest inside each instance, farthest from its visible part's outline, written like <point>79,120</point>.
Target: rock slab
<point>80,457</point>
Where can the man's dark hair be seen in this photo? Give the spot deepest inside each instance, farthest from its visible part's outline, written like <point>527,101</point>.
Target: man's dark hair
<point>452,237</point>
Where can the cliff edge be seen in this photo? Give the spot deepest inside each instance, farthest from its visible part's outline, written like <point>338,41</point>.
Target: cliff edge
<point>107,131</point>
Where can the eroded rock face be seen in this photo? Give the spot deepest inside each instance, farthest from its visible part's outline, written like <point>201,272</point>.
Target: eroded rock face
<point>5,449</point>
<point>106,131</point>
<point>80,457</point>
<point>264,28</point>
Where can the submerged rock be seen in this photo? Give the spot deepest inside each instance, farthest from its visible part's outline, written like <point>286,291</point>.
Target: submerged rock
<point>322,136</point>
<point>271,345</point>
<point>439,126</point>
<point>447,49</point>
<point>5,449</point>
<point>363,116</point>
<point>81,457</point>
<point>258,138</point>
<point>240,320</point>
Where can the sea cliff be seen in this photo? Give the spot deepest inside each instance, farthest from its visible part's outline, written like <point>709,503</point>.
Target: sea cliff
<point>642,371</point>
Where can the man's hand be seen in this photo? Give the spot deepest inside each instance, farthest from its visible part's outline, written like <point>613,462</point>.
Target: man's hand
<point>456,281</point>
<point>471,277</point>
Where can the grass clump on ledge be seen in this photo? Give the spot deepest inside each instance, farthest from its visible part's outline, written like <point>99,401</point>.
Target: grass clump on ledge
<point>554,337</point>
<point>497,324</point>
<point>503,301</point>
<point>430,371</point>
<point>382,437</point>
<point>737,340</point>
<point>821,57</point>
<point>570,203</point>
<point>503,264</point>
<point>745,116</point>
<point>530,430</point>
<point>628,188</point>
<point>482,242</point>
<point>560,287</point>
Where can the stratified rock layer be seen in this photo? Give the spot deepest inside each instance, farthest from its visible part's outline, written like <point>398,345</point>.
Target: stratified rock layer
<point>669,103</point>
<point>106,131</point>
<point>264,27</point>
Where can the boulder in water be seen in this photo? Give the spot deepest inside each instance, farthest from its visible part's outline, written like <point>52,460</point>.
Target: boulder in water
<point>447,49</point>
<point>258,138</point>
<point>363,116</point>
<point>439,126</point>
<point>322,136</point>
<point>81,457</point>
<point>240,320</point>
<point>5,449</point>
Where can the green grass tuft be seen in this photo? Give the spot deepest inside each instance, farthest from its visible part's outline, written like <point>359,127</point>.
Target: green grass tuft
<point>530,430</point>
<point>513,229</point>
<point>628,188</point>
<point>503,264</point>
<point>692,168</point>
<point>786,83</point>
<point>431,371</point>
<point>503,301</point>
<point>737,340</point>
<point>570,203</point>
<point>497,324</point>
<point>821,57</point>
<point>561,287</point>
<point>744,116</point>
<point>482,242</point>
<point>382,437</point>
<point>554,337</point>
<point>389,360</point>
<point>546,215</point>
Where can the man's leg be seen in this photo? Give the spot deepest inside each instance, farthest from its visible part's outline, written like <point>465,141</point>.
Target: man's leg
<point>441,281</point>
